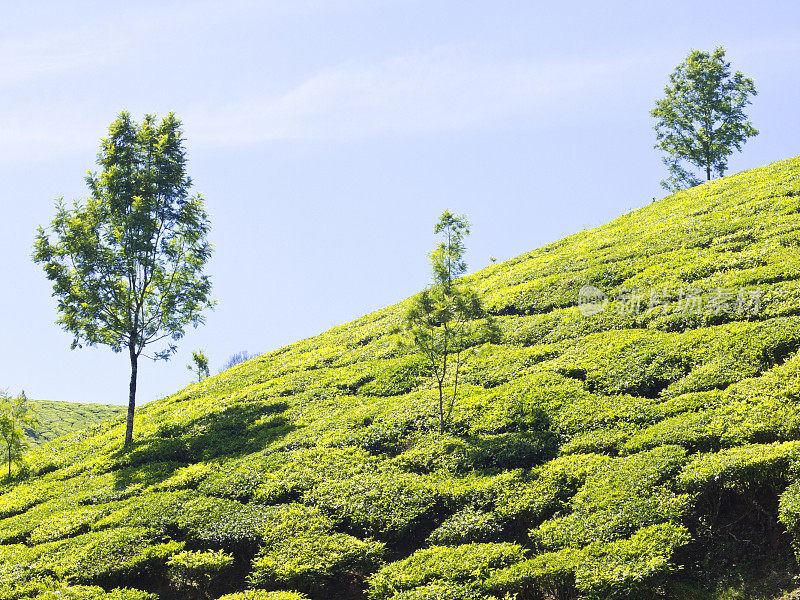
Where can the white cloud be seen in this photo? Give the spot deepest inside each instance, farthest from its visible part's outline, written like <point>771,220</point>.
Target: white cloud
<point>446,89</point>
<point>104,40</point>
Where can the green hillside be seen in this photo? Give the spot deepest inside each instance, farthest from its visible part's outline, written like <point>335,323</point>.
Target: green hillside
<point>645,446</point>
<point>60,418</point>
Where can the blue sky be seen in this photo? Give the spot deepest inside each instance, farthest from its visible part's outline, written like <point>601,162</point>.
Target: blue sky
<point>328,136</point>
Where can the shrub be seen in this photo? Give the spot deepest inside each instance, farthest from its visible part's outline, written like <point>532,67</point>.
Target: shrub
<point>606,440</point>
<point>550,575</point>
<point>440,590</point>
<point>595,414</point>
<point>752,465</point>
<point>789,513</point>
<point>466,564</point>
<point>628,568</point>
<point>400,376</point>
<point>111,557</point>
<point>436,452</point>
<point>513,450</point>
<point>287,475</point>
<point>70,521</point>
<point>693,431</point>
<point>197,570</point>
<point>206,519</point>
<point>601,570</point>
<point>491,365</point>
<point>386,504</point>
<point>300,550</point>
<point>467,526</point>
<point>81,592</point>
<point>264,595</point>
<point>186,478</point>
<point>552,484</point>
<point>623,495</point>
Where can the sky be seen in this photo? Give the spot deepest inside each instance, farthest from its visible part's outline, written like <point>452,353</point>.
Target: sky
<point>327,137</point>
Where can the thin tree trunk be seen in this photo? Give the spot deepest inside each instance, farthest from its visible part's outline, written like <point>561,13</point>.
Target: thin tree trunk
<point>441,408</point>
<point>131,396</point>
<point>708,172</point>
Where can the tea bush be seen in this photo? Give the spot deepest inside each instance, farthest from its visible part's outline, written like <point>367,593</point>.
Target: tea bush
<point>603,456</point>
<point>264,595</point>
<point>197,570</point>
<point>467,526</point>
<point>301,550</point>
<point>464,564</point>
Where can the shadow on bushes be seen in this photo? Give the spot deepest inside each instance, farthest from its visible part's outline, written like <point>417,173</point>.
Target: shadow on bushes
<point>235,431</point>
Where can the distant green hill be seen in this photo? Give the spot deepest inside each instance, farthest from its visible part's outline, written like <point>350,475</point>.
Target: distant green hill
<point>60,418</point>
<point>636,435</point>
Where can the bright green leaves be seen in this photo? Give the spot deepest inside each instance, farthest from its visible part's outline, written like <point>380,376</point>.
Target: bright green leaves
<point>192,570</point>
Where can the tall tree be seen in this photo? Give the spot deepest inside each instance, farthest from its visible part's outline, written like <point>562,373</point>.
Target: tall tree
<point>15,416</point>
<point>701,118</point>
<point>127,263</point>
<point>439,322</point>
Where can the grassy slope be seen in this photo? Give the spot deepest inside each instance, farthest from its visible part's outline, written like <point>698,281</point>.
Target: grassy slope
<point>60,418</point>
<point>623,455</point>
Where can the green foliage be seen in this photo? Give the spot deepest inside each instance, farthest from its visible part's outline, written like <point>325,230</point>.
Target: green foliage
<point>126,264</point>
<point>627,568</point>
<point>438,322</point>
<point>551,486</point>
<point>464,564</point>
<point>121,555</point>
<point>701,118</point>
<point>84,592</point>
<point>15,416</point>
<point>620,497</point>
<point>631,567</point>
<point>301,550</point>
<point>755,464</point>
<point>197,570</point>
<point>199,365</point>
<point>386,503</point>
<point>581,452</point>
<point>789,512</point>
<point>55,419</point>
<point>263,595</point>
<point>439,590</point>
<point>467,526</point>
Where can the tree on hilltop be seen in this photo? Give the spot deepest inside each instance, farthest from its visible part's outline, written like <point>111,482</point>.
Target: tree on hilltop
<point>701,118</point>
<point>127,263</point>
<point>199,364</point>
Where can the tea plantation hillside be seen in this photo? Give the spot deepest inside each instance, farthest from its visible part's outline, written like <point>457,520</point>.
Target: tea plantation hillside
<point>643,445</point>
<point>60,418</point>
